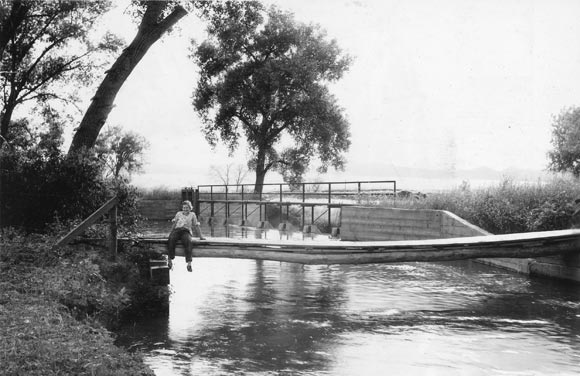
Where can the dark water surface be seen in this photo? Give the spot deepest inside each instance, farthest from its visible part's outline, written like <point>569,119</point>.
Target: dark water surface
<point>238,317</point>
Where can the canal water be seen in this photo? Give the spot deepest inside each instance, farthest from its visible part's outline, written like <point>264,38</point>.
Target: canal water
<point>246,317</point>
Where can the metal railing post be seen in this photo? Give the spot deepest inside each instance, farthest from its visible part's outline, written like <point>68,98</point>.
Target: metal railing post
<point>281,212</point>
<point>227,205</point>
<point>195,199</point>
<point>281,203</point>
<point>211,200</point>
<point>329,201</point>
<point>244,217</point>
<point>303,202</point>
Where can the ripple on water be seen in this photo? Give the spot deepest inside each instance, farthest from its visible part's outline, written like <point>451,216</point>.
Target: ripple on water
<point>270,318</point>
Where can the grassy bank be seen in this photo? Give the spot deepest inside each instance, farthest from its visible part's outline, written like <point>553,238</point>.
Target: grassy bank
<point>160,193</point>
<point>56,308</point>
<point>507,207</point>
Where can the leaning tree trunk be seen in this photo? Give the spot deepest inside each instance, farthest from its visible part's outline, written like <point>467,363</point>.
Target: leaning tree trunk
<point>150,30</point>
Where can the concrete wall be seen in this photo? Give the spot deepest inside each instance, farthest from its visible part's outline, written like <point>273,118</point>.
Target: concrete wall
<point>372,223</point>
<point>369,223</point>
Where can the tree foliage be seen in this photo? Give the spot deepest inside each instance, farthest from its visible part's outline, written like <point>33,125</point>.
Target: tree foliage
<point>121,151</point>
<point>37,190</point>
<point>565,156</point>
<point>264,76</point>
<point>39,185</point>
<point>44,45</point>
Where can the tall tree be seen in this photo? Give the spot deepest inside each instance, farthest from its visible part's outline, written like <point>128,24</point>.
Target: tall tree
<point>263,75</point>
<point>121,151</point>
<point>565,156</point>
<point>43,44</point>
<point>157,18</point>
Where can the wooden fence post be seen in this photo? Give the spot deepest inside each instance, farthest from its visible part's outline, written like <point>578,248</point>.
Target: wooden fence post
<point>113,233</point>
<point>106,208</point>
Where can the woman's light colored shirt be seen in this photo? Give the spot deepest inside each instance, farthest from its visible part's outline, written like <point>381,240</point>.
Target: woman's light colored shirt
<point>182,220</point>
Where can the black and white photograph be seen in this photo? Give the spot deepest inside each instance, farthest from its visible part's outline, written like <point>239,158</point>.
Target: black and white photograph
<point>290,187</point>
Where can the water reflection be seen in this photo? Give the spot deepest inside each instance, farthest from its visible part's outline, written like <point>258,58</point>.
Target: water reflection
<point>453,318</point>
<point>162,229</point>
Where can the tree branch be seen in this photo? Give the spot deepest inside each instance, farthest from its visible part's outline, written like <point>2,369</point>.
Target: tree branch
<point>63,69</point>
<point>178,13</point>
<point>27,47</point>
<point>26,74</point>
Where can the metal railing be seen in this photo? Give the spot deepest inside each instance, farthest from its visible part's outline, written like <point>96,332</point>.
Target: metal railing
<point>211,199</point>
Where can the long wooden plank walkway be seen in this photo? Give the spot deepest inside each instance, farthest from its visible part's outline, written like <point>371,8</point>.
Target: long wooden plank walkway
<point>522,245</point>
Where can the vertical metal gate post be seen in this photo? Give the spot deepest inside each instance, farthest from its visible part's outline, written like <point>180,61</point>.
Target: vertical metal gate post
<point>195,199</point>
<point>303,207</point>
<point>227,206</point>
<point>329,202</point>
<point>280,203</point>
<point>244,217</point>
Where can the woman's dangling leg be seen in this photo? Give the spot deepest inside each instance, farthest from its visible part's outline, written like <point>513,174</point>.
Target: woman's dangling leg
<point>187,241</point>
<point>171,244</point>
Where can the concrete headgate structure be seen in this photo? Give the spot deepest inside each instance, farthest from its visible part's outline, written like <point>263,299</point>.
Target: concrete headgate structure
<point>374,223</point>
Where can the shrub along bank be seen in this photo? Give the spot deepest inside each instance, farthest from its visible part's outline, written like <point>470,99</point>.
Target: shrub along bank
<point>507,207</point>
<point>57,306</point>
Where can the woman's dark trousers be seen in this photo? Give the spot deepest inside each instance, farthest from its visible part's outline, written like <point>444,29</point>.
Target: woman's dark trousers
<point>186,239</point>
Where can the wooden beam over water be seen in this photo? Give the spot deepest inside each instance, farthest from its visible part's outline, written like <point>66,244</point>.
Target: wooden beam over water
<point>522,245</point>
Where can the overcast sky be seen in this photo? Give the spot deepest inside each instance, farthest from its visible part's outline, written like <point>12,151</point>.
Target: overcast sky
<point>447,84</point>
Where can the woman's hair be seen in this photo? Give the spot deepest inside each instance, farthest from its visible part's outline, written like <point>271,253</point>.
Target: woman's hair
<point>188,203</point>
